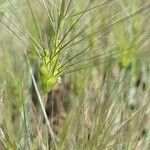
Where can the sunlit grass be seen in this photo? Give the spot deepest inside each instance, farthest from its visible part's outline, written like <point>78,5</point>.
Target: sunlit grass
<point>96,50</point>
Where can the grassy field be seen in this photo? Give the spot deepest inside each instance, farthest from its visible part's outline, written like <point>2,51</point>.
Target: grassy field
<point>74,74</point>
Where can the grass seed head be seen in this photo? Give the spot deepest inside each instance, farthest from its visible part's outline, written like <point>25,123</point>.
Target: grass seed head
<point>49,72</point>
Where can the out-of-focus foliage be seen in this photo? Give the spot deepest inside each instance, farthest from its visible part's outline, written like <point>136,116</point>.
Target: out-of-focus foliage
<point>100,49</point>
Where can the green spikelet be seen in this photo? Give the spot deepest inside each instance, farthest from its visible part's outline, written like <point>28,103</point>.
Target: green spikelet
<point>49,71</point>
<point>122,36</point>
<point>125,58</point>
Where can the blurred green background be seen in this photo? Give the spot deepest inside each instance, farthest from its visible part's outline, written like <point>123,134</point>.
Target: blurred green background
<point>102,50</point>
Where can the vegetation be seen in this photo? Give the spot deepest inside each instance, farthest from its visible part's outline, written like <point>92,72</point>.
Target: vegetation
<point>74,74</point>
